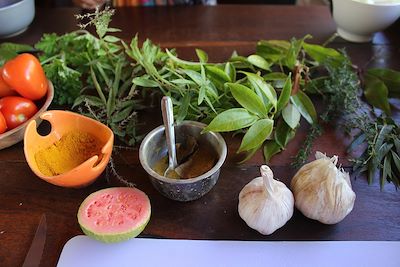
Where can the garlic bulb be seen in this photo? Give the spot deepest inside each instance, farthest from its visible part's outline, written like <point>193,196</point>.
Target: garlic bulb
<point>265,204</point>
<point>322,191</point>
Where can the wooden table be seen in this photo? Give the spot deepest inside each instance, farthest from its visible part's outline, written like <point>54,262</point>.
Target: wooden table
<point>218,30</point>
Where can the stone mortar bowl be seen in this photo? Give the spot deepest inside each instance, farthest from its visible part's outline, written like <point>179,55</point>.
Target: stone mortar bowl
<point>154,148</point>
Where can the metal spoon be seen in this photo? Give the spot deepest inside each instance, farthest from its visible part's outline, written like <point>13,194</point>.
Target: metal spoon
<point>168,119</point>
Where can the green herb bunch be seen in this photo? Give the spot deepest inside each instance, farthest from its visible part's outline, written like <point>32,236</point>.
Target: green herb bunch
<point>93,73</point>
<point>260,95</point>
<point>376,136</point>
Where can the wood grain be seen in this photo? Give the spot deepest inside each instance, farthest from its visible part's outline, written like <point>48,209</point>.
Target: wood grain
<point>218,30</point>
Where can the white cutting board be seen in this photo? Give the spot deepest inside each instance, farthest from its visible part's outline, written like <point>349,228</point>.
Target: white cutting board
<point>81,251</point>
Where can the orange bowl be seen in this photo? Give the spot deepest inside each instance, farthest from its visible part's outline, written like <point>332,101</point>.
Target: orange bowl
<point>63,122</point>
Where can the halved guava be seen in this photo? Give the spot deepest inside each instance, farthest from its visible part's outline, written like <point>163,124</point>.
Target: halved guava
<point>114,214</point>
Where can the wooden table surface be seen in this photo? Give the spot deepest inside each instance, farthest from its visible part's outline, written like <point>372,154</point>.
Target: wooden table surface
<point>218,30</point>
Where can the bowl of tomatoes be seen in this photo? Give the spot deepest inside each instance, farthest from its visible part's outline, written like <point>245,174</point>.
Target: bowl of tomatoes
<point>25,93</point>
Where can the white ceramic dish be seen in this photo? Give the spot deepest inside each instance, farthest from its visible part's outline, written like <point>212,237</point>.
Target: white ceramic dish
<point>358,20</point>
<point>15,16</point>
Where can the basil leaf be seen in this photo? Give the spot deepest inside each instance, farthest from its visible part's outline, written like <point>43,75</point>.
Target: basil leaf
<point>256,134</point>
<point>291,116</point>
<point>377,93</point>
<point>248,99</point>
<point>305,106</point>
<point>231,120</point>
<point>259,62</point>
<point>285,95</point>
<point>270,149</point>
<point>203,57</point>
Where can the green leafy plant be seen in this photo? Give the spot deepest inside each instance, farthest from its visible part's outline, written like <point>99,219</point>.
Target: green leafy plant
<point>93,73</point>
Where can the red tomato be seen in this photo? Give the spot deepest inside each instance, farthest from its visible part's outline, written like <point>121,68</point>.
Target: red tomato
<point>17,110</point>
<point>3,124</point>
<point>26,76</point>
<point>5,89</point>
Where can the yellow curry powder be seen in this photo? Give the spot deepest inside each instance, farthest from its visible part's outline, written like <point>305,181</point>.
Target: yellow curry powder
<point>71,150</point>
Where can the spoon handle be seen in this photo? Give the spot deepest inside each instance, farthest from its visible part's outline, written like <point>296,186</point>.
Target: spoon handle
<point>168,118</point>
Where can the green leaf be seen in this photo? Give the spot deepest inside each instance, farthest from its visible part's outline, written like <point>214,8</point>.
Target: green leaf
<point>181,61</point>
<point>383,133</point>
<point>390,78</point>
<point>397,144</point>
<point>218,75</point>
<point>259,62</point>
<point>231,120</point>
<point>383,151</point>
<point>263,89</point>
<point>323,54</point>
<point>357,141</point>
<point>396,160</point>
<point>113,29</point>
<point>270,149</point>
<point>275,76</point>
<point>183,108</point>
<point>123,114</point>
<point>256,134</point>
<point>230,71</point>
<point>195,76</point>
<point>111,39</point>
<point>91,100</point>
<point>387,169</point>
<point>291,116</point>
<point>250,154</point>
<point>272,50</point>
<point>284,97</point>
<point>248,99</point>
<point>202,94</point>
<point>283,134</point>
<point>10,50</point>
<point>293,52</point>
<point>377,93</point>
<point>203,57</point>
<point>305,106</point>
<point>144,82</point>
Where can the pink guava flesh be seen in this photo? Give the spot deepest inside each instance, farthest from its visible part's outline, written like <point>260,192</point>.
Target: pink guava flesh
<point>117,210</point>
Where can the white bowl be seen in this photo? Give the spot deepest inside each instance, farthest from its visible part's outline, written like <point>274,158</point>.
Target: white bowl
<point>16,135</point>
<point>15,16</point>
<point>358,20</point>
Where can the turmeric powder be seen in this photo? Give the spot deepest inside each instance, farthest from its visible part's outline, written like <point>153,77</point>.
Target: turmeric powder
<point>71,150</point>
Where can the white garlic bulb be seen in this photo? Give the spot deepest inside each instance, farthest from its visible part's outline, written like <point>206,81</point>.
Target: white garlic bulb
<point>323,191</point>
<point>265,204</point>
